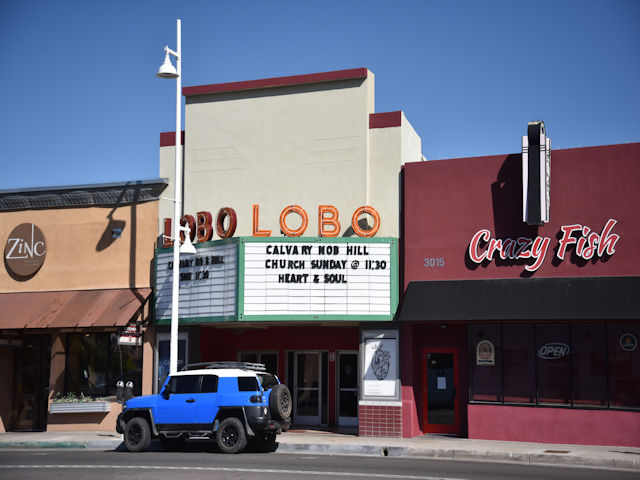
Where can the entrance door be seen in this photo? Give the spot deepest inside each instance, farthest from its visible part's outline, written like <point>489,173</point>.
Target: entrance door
<point>440,390</point>
<point>31,382</point>
<point>163,353</point>
<point>307,389</point>
<point>348,389</point>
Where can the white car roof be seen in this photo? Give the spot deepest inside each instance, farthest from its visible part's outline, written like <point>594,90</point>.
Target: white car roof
<point>221,372</point>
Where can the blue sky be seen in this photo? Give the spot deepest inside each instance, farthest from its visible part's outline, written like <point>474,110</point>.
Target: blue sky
<point>81,104</point>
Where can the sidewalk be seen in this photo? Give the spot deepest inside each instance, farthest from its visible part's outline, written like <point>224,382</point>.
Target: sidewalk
<point>429,446</point>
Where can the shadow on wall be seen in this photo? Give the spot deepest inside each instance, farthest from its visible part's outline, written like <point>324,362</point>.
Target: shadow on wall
<point>114,229</point>
<point>506,197</point>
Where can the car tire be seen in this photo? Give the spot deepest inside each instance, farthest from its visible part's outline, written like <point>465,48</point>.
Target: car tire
<point>280,402</point>
<point>231,436</point>
<point>172,444</point>
<point>137,434</point>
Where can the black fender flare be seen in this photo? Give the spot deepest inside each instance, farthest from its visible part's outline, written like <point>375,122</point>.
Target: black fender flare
<point>222,410</point>
<point>135,412</point>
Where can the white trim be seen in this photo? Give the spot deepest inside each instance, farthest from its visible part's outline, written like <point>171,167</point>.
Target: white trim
<point>379,403</point>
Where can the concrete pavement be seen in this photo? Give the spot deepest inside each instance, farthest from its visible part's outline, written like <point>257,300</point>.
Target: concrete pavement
<point>428,446</point>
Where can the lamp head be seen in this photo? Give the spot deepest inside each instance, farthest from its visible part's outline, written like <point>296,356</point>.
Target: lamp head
<point>187,247</point>
<point>167,70</point>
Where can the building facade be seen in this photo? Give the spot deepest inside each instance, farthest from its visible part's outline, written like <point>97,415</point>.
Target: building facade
<point>292,194</point>
<point>521,330</point>
<point>75,297</point>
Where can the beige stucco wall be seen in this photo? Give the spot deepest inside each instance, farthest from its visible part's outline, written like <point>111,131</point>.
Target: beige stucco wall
<point>81,254</point>
<point>391,147</point>
<point>305,145</point>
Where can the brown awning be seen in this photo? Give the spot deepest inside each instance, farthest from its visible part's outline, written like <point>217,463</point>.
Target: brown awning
<point>76,308</point>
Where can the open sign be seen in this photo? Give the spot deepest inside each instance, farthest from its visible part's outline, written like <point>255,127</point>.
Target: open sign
<point>553,351</point>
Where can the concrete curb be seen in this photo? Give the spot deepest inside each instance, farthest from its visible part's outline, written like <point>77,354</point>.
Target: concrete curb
<point>578,461</point>
<point>380,450</point>
<point>88,445</point>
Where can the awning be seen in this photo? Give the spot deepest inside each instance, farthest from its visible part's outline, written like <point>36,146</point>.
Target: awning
<point>76,308</point>
<point>574,298</point>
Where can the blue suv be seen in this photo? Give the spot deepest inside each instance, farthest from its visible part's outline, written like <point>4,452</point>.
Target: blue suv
<point>231,401</point>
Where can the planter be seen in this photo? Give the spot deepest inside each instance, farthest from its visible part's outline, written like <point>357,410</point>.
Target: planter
<point>80,407</point>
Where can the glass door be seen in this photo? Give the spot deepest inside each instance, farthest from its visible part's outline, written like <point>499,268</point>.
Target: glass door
<point>307,388</point>
<point>440,390</point>
<point>348,389</point>
<point>163,346</point>
<point>31,382</point>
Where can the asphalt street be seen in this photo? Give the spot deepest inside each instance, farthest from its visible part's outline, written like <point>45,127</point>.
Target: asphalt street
<point>203,461</point>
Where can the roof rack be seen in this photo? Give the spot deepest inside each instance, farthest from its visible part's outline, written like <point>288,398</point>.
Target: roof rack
<point>258,367</point>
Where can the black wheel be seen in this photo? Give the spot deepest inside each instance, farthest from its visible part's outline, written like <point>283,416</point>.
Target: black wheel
<point>280,402</point>
<point>137,435</point>
<point>172,444</point>
<point>231,436</point>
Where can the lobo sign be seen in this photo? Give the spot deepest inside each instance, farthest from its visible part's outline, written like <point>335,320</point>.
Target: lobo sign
<point>202,225</point>
<point>587,244</point>
<point>25,250</point>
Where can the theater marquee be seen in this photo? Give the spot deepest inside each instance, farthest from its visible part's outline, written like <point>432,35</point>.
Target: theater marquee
<point>282,279</point>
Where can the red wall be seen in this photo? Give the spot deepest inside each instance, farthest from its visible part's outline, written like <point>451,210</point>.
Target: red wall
<point>223,344</point>
<point>447,201</point>
<point>554,425</point>
<point>414,338</point>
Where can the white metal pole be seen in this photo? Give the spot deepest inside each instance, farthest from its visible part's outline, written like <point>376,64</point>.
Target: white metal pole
<point>177,213</point>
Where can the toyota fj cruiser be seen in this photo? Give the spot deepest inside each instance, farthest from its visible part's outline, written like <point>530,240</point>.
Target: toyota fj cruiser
<point>231,401</point>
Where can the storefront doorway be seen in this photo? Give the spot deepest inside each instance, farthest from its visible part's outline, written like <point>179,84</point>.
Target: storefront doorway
<point>307,388</point>
<point>31,383</point>
<point>348,389</point>
<point>163,344</point>
<point>440,390</point>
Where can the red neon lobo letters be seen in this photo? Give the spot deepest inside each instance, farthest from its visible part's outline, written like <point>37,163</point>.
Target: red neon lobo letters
<point>202,226</point>
<point>587,245</point>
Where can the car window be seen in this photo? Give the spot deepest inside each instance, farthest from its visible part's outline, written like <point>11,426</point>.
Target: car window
<point>248,384</point>
<point>209,384</point>
<point>268,381</point>
<point>185,384</point>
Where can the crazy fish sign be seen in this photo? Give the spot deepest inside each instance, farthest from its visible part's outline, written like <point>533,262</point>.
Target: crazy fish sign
<point>586,244</point>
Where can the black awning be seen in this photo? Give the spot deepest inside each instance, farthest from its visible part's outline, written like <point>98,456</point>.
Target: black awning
<point>573,298</point>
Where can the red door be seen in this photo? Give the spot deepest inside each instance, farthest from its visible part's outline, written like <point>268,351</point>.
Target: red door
<point>440,390</point>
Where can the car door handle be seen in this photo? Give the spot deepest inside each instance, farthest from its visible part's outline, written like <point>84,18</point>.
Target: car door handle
<point>191,400</point>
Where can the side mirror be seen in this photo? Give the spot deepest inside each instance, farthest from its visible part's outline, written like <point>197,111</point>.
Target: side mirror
<point>165,393</point>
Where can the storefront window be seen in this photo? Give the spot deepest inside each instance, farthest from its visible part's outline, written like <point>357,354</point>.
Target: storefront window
<point>95,362</point>
<point>578,365</point>
<point>518,363</point>
<point>624,364</point>
<point>486,364</point>
<point>553,357</point>
<point>589,366</point>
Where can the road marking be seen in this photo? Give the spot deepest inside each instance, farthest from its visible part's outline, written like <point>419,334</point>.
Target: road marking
<point>230,469</point>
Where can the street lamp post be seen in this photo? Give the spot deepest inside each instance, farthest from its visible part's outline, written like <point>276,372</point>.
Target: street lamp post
<point>168,71</point>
